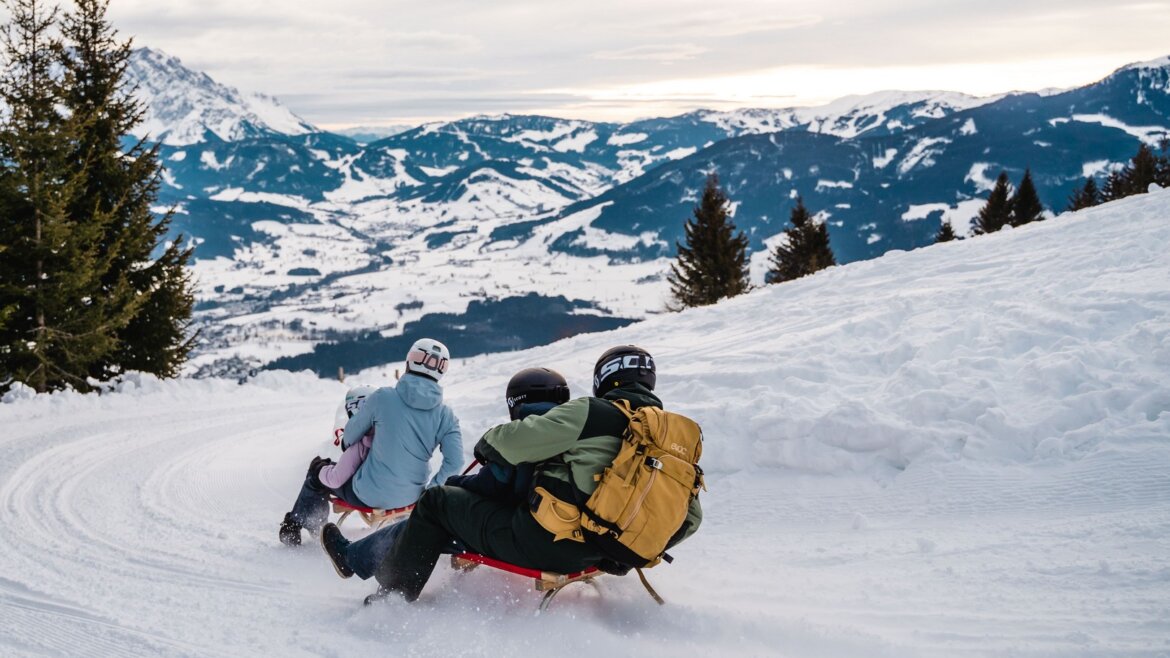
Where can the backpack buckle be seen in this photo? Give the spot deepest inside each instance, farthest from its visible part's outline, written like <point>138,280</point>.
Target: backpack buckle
<point>653,463</point>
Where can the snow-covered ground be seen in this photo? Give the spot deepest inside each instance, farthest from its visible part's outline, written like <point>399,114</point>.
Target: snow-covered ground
<point>961,450</point>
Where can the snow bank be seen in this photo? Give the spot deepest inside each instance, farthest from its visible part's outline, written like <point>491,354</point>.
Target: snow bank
<point>133,390</point>
<point>1045,342</point>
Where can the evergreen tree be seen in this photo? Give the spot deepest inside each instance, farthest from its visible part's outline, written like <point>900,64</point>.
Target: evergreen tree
<point>1086,197</point>
<point>997,212</point>
<point>1135,177</point>
<point>5,312</point>
<point>1163,170</point>
<point>945,233</point>
<point>713,264</point>
<point>1114,187</point>
<point>1143,170</point>
<point>1025,204</point>
<point>49,275</point>
<point>804,250</point>
<point>120,186</point>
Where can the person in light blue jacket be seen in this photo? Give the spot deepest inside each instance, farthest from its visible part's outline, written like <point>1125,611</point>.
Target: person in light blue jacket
<point>409,421</point>
<point>530,391</point>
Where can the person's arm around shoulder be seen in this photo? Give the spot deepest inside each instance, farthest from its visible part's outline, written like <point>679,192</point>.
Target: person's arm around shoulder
<point>451,445</point>
<point>537,437</point>
<point>363,420</point>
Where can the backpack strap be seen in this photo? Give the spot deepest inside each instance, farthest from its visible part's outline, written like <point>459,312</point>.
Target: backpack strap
<point>646,584</point>
<point>624,407</point>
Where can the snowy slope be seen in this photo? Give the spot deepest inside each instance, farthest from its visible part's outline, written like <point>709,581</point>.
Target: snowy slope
<point>960,450</point>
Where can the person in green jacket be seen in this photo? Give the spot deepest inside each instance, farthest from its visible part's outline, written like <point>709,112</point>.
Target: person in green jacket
<point>569,445</point>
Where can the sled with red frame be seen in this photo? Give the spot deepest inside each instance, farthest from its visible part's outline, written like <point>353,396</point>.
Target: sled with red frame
<point>551,583</point>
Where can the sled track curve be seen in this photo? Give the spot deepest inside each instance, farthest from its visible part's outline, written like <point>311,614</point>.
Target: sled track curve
<point>120,514</point>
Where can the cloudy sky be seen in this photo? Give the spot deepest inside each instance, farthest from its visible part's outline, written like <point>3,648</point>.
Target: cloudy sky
<point>381,62</point>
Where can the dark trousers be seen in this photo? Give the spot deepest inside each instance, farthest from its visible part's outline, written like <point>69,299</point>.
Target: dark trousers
<point>501,530</point>
<point>364,555</point>
<point>311,508</point>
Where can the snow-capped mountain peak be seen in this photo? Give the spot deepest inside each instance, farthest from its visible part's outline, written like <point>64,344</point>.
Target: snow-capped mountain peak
<point>1158,63</point>
<point>183,106</point>
<point>850,116</point>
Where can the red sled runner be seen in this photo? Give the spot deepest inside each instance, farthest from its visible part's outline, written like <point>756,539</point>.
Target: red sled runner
<point>549,582</point>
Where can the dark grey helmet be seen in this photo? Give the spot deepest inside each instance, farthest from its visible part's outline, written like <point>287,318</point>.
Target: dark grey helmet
<point>533,385</point>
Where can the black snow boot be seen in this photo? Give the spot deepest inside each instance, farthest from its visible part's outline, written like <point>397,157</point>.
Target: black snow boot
<point>290,531</point>
<point>334,544</point>
<point>379,596</point>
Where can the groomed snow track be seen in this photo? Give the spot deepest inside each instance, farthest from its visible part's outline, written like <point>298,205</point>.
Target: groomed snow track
<point>960,451</point>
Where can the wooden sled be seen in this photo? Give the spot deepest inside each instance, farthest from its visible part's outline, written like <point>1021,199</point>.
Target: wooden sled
<point>374,517</point>
<point>549,582</point>
<point>543,581</point>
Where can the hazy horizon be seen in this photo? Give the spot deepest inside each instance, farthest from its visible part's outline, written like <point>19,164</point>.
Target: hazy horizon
<point>375,63</point>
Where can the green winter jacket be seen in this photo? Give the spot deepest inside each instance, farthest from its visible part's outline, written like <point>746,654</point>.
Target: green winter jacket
<point>572,443</point>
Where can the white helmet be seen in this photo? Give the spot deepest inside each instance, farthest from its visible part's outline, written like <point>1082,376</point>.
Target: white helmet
<point>428,357</point>
<point>354,398</point>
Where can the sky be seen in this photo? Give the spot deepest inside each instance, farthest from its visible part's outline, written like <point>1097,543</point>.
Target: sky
<point>352,63</point>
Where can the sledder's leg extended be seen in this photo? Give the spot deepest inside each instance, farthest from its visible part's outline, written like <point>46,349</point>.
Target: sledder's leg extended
<point>497,529</point>
<point>364,555</point>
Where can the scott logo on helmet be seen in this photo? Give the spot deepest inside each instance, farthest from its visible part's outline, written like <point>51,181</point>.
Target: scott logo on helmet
<point>629,361</point>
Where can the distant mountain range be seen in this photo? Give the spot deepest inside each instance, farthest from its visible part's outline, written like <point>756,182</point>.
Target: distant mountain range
<point>882,190</point>
<point>365,134</point>
<point>305,235</point>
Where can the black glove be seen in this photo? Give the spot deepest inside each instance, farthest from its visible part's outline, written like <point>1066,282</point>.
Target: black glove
<point>613,567</point>
<point>317,464</point>
<point>478,451</point>
<point>457,480</point>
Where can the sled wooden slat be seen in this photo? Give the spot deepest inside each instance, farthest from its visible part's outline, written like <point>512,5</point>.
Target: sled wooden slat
<point>374,517</point>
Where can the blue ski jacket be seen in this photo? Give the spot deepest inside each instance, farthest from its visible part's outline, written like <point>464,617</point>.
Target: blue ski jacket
<point>409,421</point>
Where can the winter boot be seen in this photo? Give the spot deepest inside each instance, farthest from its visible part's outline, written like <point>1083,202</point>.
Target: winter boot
<point>379,596</point>
<point>290,531</point>
<point>334,543</point>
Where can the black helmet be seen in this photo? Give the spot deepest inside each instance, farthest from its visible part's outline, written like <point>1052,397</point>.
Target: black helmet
<point>532,385</point>
<point>622,365</point>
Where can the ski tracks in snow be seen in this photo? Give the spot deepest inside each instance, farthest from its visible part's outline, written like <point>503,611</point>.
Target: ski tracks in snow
<point>137,528</point>
<point>147,531</point>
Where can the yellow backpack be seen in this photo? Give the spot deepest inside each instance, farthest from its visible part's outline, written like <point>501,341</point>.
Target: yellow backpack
<point>642,498</point>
